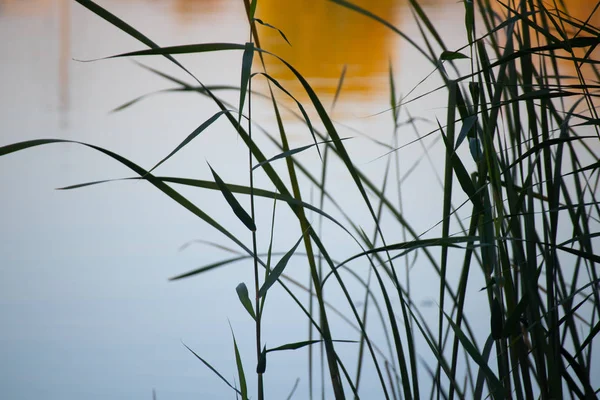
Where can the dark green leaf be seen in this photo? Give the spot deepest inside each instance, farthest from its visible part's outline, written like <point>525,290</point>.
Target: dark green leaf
<point>474,89</point>
<point>246,70</point>
<point>495,384</point>
<point>468,124</point>
<point>191,137</point>
<point>253,5</point>
<point>469,19</point>
<point>513,322</point>
<point>180,49</point>
<point>240,369</point>
<point>278,270</point>
<point>475,149</point>
<point>289,153</point>
<point>261,366</point>
<point>593,332</point>
<point>212,369</point>
<point>272,27</point>
<point>496,320</point>
<point>295,345</point>
<point>233,203</point>
<point>491,283</point>
<point>451,55</point>
<point>299,345</point>
<point>242,292</point>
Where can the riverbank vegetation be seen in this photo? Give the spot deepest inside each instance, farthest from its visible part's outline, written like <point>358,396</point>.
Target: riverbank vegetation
<point>519,213</point>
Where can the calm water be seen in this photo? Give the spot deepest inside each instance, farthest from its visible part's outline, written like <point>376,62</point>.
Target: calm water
<point>86,308</point>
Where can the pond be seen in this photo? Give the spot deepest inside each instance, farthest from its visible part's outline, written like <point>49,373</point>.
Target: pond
<point>87,309</point>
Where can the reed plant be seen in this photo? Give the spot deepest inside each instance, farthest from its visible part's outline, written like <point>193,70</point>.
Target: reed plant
<point>518,212</point>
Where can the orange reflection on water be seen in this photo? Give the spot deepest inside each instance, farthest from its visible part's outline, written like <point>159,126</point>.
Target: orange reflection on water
<point>325,37</point>
<point>187,10</point>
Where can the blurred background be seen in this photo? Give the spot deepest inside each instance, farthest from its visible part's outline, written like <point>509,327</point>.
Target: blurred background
<point>86,307</point>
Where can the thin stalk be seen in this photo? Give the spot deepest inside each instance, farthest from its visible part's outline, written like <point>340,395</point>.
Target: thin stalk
<point>257,300</point>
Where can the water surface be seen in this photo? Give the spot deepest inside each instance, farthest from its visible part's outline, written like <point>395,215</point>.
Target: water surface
<point>86,307</point>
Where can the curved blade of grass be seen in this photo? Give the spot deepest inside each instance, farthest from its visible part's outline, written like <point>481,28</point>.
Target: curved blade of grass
<point>452,55</point>
<point>260,21</point>
<point>278,269</point>
<point>253,5</point>
<point>290,153</point>
<point>595,330</point>
<point>293,389</point>
<point>240,368</point>
<point>116,21</point>
<point>582,374</point>
<point>242,292</point>
<point>465,129</point>
<point>191,137</point>
<point>481,375</point>
<point>125,27</point>
<point>168,51</point>
<point>293,203</point>
<point>469,20</point>
<point>338,89</point>
<point>211,244</point>
<point>464,179</point>
<point>498,391</point>
<point>209,267</point>
<point>299,104</point>
<point>299,345</point>
<point>430,340</point>
<point>159,184</point>
<point>184,89</point>
<point>237,208</point>
<point>246,70</point>
<point>415,244</point>
<point>212,369</point>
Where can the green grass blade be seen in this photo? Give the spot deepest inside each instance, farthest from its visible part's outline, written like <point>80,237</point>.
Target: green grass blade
<point>289,397</point>
<point>190,137</point>
<point>240,369</point>
<point>290,153</point>
<point>242,292</point>
<point>468,124</point>
<point>237,208</point>
<point>245,79</point>
<point>278,270</point>
<point>301,344</point>
<point>253,5</point>
<point>140,171</point>
<point>260,21</point>
<point>497,388</point>
<point>452,55</point>
<point>212,369</point>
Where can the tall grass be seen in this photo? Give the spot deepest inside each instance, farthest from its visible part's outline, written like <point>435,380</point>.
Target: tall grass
<point>521,163</point>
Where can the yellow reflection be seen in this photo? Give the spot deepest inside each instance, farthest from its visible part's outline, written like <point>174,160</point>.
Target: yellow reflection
<point>325,37</point>
<point>187,10</point>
